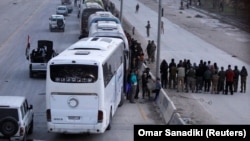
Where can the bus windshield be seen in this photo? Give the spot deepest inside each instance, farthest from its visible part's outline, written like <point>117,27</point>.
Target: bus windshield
<point>74,73</point>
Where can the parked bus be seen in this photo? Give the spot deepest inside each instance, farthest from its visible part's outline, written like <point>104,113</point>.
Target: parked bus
<point>114,30</point>
<point>100,2</point>
<point>88,9</point>
<point>102,16</point>
<point>84,86</point>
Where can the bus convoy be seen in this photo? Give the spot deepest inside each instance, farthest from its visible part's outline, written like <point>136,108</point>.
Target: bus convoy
<point>85,83</point>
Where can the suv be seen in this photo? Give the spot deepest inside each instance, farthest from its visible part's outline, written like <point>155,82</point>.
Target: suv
<point>16,118</point>
<point>56,22</point>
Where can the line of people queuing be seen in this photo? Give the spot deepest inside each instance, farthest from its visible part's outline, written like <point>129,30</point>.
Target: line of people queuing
<point>204,77</point>
<point>138,79</point>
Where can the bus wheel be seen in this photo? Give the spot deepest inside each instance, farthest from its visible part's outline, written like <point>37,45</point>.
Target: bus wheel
<point>122,100</point>
<point>110,119</point>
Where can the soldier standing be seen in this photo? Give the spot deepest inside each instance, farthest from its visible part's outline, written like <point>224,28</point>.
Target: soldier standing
<point>148,26</point>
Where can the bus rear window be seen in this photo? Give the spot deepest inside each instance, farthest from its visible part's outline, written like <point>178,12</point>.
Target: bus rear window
<point>73,73</point>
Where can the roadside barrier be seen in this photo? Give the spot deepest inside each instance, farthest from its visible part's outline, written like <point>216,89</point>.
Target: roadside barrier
<point>167,107</point>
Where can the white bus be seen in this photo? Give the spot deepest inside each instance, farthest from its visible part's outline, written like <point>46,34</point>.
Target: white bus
<point>102,16</point>
<point>84,86</point>
<point>114,30</point>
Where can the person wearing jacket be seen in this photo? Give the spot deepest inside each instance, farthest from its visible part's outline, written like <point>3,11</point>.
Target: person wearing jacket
<point>133,80</point>
<point>243,79</point>
<point>229,80</point>
<point>157,88</point>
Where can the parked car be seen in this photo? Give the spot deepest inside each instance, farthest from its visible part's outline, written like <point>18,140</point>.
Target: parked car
<point>16,118</point>
<point>56,22</point>
<point>62,10</point>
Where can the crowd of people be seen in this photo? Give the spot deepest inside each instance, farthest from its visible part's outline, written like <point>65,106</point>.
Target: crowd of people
<point>207,77</point>
<point>139,79</point>
<point>182,76</point>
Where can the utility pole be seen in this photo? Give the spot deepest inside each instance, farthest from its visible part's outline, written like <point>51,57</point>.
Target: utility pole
<point>121,9</point>
<point>158,40</point>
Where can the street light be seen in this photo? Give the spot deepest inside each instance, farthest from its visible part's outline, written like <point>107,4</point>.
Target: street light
<point>121,8</point>
<point>158,40</point>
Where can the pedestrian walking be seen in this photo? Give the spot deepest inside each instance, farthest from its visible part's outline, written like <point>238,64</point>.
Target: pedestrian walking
<point>148,26</point>
<point>229,80</point>
<point>133,30</point>
<point>243,79</point>
<point>137,8</point>
<point>162,27</point>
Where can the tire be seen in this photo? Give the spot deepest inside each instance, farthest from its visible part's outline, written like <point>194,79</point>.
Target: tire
<point>31,73</point>
<point>110,119</point>
<point>60,23</point>
<point>24,137</point>
<point>8,126</point>
<point>122,100</point>
<point>30,131</point>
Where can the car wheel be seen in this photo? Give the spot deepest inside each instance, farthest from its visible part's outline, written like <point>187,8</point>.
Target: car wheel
<point>31,127</point>
<point>24,137</point>
<point>31,73</point>
<point>8,126</point>
<point>50,29</point>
